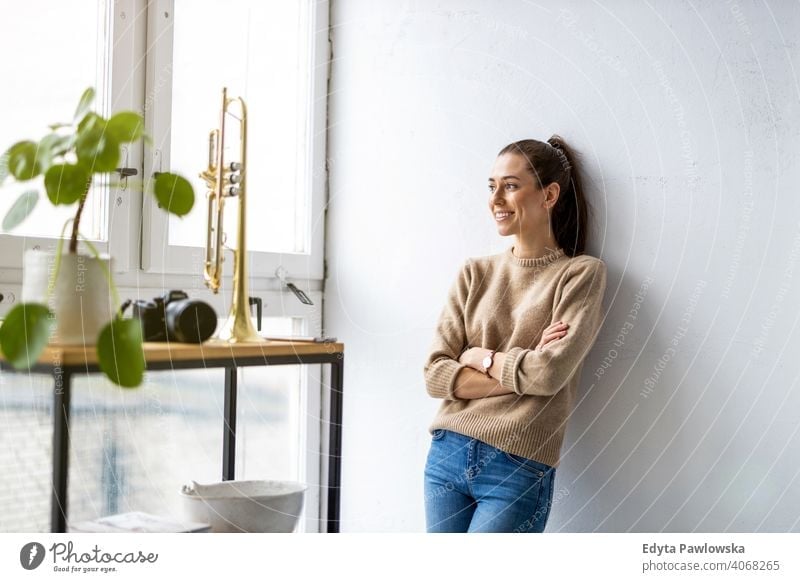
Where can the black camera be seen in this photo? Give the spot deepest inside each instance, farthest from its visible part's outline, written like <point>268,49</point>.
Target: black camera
<point>176,318</point>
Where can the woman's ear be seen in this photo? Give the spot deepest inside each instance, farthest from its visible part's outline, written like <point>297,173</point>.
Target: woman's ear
<point>551,194</point>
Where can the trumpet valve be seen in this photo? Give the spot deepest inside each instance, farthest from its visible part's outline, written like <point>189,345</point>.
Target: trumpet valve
<point>209,178</point>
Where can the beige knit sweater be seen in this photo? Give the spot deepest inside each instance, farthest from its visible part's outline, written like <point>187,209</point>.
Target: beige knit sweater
<point>505,303</point>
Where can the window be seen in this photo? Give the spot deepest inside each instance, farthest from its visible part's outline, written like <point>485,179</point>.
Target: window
<point>79,32</point>
<point>154,57</point>
<point>249,36</point>
<point>203,46</point>
<point>150,56</point>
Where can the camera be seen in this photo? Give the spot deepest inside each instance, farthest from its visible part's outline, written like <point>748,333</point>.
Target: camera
<point>176,318</point>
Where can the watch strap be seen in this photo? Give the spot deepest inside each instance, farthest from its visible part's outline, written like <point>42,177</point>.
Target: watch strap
<point>486,369</point>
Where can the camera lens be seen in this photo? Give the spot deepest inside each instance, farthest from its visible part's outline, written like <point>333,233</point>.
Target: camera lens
<point>190,320</point>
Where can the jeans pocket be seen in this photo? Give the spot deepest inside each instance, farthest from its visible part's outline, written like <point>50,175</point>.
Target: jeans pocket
<point>438,433</point>
<point>535,467</point>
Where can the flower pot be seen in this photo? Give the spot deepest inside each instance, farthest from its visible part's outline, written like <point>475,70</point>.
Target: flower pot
<point>81,298</point>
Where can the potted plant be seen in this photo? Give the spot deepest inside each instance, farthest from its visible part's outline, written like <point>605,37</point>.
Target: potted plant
<point>70,159</point>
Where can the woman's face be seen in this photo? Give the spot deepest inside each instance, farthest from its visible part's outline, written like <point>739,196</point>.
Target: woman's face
<point>515,202</point>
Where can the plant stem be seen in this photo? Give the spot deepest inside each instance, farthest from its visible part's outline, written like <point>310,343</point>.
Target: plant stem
<point>73,240</point>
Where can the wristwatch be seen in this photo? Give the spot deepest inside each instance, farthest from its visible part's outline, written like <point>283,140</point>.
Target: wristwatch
<point>487,362</point>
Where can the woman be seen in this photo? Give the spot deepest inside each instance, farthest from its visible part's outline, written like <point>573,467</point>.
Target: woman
<point>509,347</point>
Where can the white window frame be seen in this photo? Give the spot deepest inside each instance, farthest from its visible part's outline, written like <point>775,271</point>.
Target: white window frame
<point>158,256</point>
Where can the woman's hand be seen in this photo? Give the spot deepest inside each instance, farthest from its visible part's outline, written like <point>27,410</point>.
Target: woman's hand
<point>473,357</point>
<point>552,333</point>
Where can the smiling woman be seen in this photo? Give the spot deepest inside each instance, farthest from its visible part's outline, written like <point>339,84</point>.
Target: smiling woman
<point>536,310</point>
<point>536,194</point>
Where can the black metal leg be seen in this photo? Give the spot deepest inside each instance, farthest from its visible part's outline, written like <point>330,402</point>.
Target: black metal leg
<point>335,440</point>
<point>229,430</point>
<point>58,502</point>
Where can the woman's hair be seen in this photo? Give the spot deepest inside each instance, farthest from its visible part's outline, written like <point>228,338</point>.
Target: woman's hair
<point>554,161</point>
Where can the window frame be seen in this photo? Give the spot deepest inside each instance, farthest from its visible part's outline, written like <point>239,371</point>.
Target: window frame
<point>157,255</point>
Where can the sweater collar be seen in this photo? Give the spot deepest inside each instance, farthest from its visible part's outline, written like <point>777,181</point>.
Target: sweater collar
<point>549,257</point>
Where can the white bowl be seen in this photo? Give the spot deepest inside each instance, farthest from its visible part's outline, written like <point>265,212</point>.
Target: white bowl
<point>245,506</point>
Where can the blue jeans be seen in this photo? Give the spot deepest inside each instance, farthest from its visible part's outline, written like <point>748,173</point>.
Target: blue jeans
<point>471,486</point>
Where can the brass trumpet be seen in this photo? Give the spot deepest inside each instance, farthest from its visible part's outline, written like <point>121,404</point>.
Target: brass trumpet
<point>226,180</point>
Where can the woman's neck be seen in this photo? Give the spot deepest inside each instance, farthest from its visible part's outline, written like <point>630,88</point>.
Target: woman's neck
<point>533,250</point>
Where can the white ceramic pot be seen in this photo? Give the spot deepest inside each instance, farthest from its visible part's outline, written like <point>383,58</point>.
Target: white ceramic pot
<point>81,298</point>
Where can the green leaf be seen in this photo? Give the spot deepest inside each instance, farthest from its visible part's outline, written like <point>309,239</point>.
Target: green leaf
<point>84,103</point>
<point>90,121</point>
<point>57,126</point>
<point>20,210</point>
<point>66,183</point>
<point>125,126</point>
<point>23,161</point>
<point>25,333</point>
<point>97,150</point>
<point>55,144</point>
<point>119,352</point>
<point>107,156</point>
<point>52,145</point>
<point>46,150</point>
<point>174,193</point>
<point>4,166</point>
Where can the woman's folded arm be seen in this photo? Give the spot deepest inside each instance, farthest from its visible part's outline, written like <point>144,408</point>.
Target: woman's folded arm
<point>471,384</point>
<point>527,371</point>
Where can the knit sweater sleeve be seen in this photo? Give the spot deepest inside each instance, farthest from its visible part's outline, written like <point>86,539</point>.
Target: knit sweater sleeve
<point>449,340</point>
<point>544,372</point>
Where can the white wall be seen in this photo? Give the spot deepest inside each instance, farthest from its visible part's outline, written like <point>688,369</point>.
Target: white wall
<point>687,115</point>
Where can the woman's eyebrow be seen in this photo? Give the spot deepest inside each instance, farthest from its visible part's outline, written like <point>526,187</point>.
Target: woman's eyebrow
<point>505,178</point>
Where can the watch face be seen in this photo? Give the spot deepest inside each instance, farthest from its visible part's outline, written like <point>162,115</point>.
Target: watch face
<point>487,361</point>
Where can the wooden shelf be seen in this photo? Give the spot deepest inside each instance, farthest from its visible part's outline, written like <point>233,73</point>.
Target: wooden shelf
<point>212,350</point>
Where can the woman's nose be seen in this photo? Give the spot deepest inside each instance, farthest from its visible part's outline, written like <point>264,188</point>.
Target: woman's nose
<point>497,197</point>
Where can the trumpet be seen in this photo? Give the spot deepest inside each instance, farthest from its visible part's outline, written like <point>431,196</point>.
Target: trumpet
<point>227,180</point>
